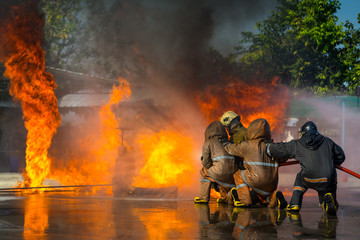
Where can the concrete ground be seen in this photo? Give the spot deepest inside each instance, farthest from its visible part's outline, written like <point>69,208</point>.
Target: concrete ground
<point>71,215</point>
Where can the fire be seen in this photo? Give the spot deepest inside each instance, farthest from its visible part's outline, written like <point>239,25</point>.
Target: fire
<point>97,166</point>
<point>32,87</point>
<point>169,160</point>
<point>253,101</point>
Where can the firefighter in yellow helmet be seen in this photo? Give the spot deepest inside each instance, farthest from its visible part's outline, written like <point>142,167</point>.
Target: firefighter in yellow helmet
<point>231,121</point>
<point>237,131</point>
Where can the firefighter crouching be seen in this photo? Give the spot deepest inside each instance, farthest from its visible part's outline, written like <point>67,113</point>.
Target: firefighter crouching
<point>219,166</point>
<point>261,171</point>
<point>318,156</point>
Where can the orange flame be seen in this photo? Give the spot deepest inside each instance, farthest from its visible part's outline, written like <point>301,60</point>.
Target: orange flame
<point>169,160</point>
<point>32,87</point>
<point>254,101</point>
<point>97,166</point>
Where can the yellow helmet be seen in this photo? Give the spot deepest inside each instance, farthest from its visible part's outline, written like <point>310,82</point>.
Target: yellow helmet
<point>227,117</point>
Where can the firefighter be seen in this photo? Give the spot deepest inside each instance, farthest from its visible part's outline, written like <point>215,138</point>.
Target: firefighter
<point>318,156</point>
<point>218,165</point>
<point>236,130</point>
<point>261,171</point>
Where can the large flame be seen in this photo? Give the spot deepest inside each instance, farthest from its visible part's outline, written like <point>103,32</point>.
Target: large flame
<point>250,101</point>
<point>168,160</point>
<point>97,165</point>
<point>32,87</point>
<point>169,156</point>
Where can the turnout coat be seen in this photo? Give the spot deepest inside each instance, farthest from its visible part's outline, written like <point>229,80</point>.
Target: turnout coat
<point>237,133</point>
<point>316,154</point>
<point>220,165</point>
<point>261,171</point>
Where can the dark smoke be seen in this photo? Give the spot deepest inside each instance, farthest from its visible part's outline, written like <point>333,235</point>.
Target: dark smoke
<point>11,17</point>
<point>164,41</point>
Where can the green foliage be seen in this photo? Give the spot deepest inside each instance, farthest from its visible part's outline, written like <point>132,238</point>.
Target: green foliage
<point>315,22</point>
<point>350,55</point>
<point>61,30</point>
<point>303,43</point>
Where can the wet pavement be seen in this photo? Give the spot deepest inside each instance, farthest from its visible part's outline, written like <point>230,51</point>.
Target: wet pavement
<point>75,216</point>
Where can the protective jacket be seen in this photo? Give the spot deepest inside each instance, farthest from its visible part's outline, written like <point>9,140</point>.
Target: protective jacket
<point>261,173</point>
<point>237,133</point>
<point>316,153</point>
<point>221,166</point>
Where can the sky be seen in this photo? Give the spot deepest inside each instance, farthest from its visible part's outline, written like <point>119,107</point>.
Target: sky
<point>349,10</point>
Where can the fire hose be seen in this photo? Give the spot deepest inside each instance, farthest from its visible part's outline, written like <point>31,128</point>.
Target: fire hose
<point>14,189</point>
<point>337,166</point>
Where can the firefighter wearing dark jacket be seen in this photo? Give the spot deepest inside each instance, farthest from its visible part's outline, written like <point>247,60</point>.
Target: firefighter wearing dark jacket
<point>261,171</point>
<point>317,156</point>
<point>219,166</point>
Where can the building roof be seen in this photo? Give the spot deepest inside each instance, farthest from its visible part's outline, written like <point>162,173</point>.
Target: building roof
<point>84,100</point>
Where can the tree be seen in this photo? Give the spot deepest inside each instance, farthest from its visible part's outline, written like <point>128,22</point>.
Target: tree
<point>61,30</point>
<point>350,55</point>
<point>302,42</point>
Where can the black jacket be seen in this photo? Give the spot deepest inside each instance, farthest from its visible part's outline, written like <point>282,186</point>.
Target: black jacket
<point>316,153</point>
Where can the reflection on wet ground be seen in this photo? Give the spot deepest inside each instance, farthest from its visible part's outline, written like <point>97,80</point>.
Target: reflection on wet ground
<point>66,216</point>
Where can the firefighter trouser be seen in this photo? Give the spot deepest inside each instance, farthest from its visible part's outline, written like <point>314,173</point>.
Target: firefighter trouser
<point>245,197</point>
<point>242,188</point>
<point>266,200</point>
<point>205,187</point>
<point>321,185</point>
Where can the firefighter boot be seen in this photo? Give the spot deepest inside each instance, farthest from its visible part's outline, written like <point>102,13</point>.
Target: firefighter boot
<point>236,199</point>
<point>329,205</point>
<point>201,201</point>
<point>281,202</point>
<point>293,208</point>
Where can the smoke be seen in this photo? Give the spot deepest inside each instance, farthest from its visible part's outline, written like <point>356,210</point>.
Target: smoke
<point>8,11</point>
<point>159,47</point>
<point>338,119</point>
<point>163,42</point>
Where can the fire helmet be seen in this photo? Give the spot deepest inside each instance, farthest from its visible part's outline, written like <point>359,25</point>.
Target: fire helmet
<point>227,117</point>
<point>308,127</point>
